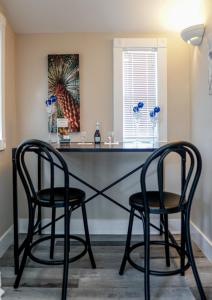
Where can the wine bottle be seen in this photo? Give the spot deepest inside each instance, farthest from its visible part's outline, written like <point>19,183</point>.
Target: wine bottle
<point>97,135</point>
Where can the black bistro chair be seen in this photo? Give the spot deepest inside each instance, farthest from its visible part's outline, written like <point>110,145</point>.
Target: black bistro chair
<point>52,197</point>
<point>163,203</point>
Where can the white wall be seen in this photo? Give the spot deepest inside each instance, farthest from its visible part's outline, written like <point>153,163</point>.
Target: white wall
<point>96,91</point>
<point>201,116</point>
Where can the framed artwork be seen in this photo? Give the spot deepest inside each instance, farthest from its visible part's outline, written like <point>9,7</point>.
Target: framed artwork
<point>64,85</point>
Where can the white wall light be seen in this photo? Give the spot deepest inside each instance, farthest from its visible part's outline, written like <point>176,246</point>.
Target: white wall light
<point>193,34</point>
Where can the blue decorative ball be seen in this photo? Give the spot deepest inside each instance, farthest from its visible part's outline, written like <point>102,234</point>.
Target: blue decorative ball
<point>49,101</point>
<point>53,98</point>
<point>152,114</point>
<point>140,104</point>
<point>157,109</point>
<point>135,109</point>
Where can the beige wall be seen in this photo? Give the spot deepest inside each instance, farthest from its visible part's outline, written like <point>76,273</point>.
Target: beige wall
<point>5,156</point>
<point>96,90</point>
<point>95,51</point>
<point>201,116</point>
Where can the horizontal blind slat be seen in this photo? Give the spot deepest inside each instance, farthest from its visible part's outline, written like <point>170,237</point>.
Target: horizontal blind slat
<point>139,84</point>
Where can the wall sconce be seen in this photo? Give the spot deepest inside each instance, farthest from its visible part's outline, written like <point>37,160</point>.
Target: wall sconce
<point>193,34</point>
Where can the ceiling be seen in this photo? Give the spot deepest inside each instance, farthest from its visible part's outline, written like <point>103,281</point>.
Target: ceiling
<point>48,16</point>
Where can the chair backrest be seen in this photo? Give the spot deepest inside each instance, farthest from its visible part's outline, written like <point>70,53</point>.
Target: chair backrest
<point>50,155</point>
<point>191,166</point>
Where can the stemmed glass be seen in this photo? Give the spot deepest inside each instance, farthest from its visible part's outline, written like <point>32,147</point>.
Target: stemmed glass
<point>110,137</point>
<point>136,109</point>
<point>153,114</point>
<point>83,137</point>
<point>51,109</point>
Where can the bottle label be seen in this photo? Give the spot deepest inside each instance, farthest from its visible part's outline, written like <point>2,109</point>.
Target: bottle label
<point>97,139</point>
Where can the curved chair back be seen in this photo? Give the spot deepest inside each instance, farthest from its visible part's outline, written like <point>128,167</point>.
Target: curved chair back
<point>191,166</point>
<point>41,150</point>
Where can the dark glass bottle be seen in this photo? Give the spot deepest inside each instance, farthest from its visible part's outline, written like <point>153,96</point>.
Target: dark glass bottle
<point>97,135</point>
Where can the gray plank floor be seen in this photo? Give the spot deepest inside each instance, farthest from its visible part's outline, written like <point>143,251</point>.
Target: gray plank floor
<point>44,282</point>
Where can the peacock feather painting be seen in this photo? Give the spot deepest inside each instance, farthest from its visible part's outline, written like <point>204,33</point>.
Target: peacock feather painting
<point>63,83</point>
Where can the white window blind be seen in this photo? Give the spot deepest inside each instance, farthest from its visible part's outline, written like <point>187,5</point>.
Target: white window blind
<point>140,82</point>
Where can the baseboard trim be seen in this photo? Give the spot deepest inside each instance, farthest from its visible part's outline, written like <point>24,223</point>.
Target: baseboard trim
<point>103,226</point>
<point>96,227</point>
<point>6,240</point>
<point>110,227</point>
<point>202,241</point>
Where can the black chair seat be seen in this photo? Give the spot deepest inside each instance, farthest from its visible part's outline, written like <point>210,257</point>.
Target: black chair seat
<point>76,196</point>
<point>170,200</point>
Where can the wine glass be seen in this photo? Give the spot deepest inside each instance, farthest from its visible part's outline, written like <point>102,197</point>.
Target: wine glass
<point>153,114</point>
<point>83,136</point>
<point>110,137</point>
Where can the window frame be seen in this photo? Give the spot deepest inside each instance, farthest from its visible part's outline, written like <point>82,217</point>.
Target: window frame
<point>2,81</point>
<point>119,44</point>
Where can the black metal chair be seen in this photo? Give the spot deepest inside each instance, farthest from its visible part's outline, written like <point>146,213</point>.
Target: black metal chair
<point>163,203</point>
<point>52,197</point>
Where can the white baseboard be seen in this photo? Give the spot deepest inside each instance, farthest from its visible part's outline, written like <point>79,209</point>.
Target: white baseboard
<point>103,226</point>
<point>202,241</point>
<point>96,226</point>
<point>6,240</point>
<point>110,227</point>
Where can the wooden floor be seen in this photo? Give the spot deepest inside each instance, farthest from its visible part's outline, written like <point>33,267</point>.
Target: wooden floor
<point>43,282</point>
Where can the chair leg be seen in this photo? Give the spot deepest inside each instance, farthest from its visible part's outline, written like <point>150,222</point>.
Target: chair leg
<point>161,224</point>
<point>23,263</point>
<point>129,233</point>
<point>66,252</point>
<point>26,250</point>
<point>40,220</point>
<point>87,236</point>
<point>146,256</point>
<point>69,244</point>
<point>52,243</point>
<point>191,258</point>
<point>183,233</point>
<point>166,227</point>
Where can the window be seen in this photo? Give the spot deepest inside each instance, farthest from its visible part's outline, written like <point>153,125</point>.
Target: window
<point>2,75</point>
<point>139,75</point>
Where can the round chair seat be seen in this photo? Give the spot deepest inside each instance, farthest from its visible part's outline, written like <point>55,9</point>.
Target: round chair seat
<point>76,196</point>
<point>171,202</point>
